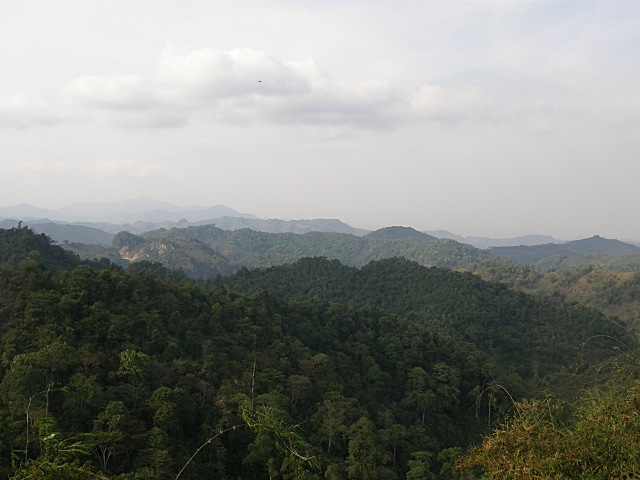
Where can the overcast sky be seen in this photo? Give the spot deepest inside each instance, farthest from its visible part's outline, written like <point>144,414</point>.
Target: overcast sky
<point>481,117</point>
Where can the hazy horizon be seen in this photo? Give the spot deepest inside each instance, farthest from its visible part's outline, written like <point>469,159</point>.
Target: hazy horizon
<point>480,117</point>
<point>70,213</point>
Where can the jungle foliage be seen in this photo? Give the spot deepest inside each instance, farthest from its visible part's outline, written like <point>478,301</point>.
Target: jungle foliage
<point>127,373</point>
<point>145,374</point>
<point>537,339</point>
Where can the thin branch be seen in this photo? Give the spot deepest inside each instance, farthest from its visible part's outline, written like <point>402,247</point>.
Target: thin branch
<point>204,445</point>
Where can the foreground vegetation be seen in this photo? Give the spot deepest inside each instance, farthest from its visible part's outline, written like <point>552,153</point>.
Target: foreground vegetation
<point>595,438</point>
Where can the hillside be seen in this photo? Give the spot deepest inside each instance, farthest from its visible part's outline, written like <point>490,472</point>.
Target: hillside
<point>618,263</point>
<point>487,242</point>
<point>595,245</point>
<point>64,232</point>
<point>615,293</point>
<point>207,251</point>
<point>533,336</point>
<point>275,225</point>
<point>19,245</point>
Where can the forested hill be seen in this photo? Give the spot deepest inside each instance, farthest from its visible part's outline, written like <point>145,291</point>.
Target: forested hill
<point>595,245</point>
<point>206,251</point>
<point>533,336</point>
<point>125,374</point>
<point>20,244</point>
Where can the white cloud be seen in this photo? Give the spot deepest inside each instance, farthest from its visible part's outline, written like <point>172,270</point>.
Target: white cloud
<point>208,74</point>
<point>246,85</point>
<point>241,86</point>
<point>111,92</point>
<point>124,167</point>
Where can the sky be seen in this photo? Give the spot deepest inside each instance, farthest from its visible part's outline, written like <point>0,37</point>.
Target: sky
<point>481,117</point>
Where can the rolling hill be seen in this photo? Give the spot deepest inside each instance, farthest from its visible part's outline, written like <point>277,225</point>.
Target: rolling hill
<point>207,251</point>
<point>595,245</point>
<point>521,330</point>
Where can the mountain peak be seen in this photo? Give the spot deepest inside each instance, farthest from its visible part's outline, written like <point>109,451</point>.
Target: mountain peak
<point>604,246</point>
<point>400,233</point>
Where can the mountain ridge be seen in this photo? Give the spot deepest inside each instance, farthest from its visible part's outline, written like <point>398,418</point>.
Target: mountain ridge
<point>488,242</point>
<point>144,214</point>
<point>127,211</point>
<point>595,245</point>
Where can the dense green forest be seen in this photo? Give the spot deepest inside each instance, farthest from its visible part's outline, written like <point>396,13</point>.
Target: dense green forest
<point>536,338</point>
<point>615,293</point>
<point>597,272</point>
<point>20,244</point>
<point>313,370</point>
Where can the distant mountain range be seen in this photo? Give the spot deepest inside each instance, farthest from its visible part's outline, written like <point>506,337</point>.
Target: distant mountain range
<point>97,223</point>
<point>486,242</point>
<point>553,254</point>
<point>222,245</point>
<point>102,233</point>
<point>129,211</point>
<point>63,232</point>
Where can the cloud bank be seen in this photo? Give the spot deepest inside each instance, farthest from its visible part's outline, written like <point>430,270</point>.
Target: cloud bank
<point>241,86</point>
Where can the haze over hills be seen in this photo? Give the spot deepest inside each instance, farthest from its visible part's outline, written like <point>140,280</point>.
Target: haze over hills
<point>102,233</point>
<point>486,242</point>
<point>595,245</point>
<point>64,232</point>
<point>145,214</point>
<point>128,211</point>
<point>90,229</point>
<point>274,225</point>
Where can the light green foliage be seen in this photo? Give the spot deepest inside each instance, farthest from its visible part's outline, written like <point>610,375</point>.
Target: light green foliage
<point>134,366</point>
<point>599,440</point>
<point>419,466</point>
<point>273,433</point>
<point>110,432</point>
<point>366,458</point>
<point>59,459</point>
<point>614,290</point>
<point>155,462</point>
<point>334,415</point>
<point>448,459</point>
